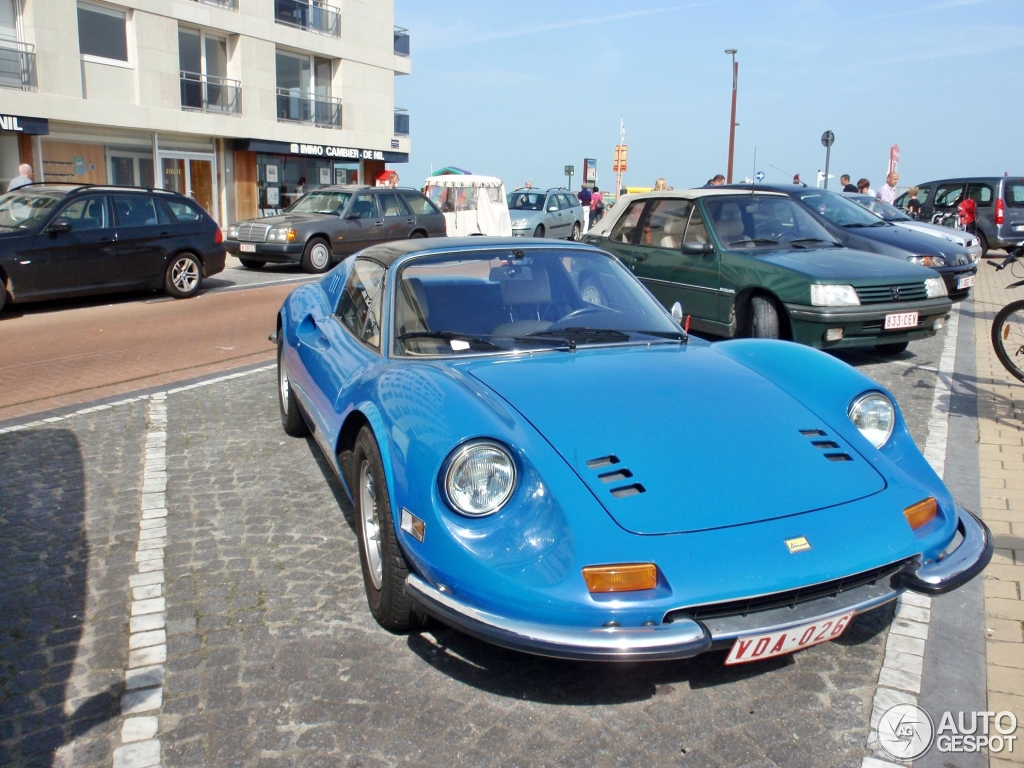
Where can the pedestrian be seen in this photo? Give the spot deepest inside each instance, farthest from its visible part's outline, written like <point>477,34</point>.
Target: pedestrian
<point>596,206</point>
<point>845,181</point>
<point>528,185</point>
<point>24,177</point>
<point>967,215</point>
<point>888,191</point>
<point>913,204</point>
<point>716,181</point>
<point>659,185</point>
<point>584,195</point>
<point>864,187</point>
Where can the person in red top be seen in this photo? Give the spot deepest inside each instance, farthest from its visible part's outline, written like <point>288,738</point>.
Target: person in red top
<point>967,214</point>
<point>596,206</point>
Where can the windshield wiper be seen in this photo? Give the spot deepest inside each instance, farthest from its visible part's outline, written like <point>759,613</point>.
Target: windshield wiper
<point>813,240</point>
<point>569,337</point>
<point>448,336</point>
<point>858,224</point>
<point>672,335</point>
<point>756,241</point>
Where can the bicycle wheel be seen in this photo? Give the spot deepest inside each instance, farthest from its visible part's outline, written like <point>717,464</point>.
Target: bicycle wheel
<point>1008,337</point>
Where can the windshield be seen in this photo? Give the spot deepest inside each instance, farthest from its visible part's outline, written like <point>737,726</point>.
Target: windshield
<point>838,209</point>
<point>515,300</point>
<point>320,201</point>
<point>526,201</point>
<point>754,221</point>
<point>25,209</point>
<point>879,208</point>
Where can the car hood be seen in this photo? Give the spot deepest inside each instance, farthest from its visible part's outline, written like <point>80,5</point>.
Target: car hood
<point>291,219</point>
<point>700,441</point>
<point>910,240</point>
<point>845,264</point>
<point>955,236</point>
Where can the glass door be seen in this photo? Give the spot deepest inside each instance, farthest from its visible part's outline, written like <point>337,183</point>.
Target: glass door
<point>193,177</point>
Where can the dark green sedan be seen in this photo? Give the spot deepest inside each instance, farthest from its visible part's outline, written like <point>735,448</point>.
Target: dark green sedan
<point>757,264</point>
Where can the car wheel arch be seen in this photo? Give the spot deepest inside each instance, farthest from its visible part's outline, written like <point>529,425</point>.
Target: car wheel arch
<point>363,414</point>
<point>741,312</point>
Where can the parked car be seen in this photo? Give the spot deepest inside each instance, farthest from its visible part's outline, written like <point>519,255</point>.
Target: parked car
<point>335,220</point>
<point>759,264</point>
<point>472,205</point>
<point>550,213</point>
<point>62,240</point>
<point>1000,201</point>
<point>452,386</point>
<point>890,213</point>
<point>855,227</point>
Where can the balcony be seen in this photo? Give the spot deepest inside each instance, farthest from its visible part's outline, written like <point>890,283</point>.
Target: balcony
<point>401,122</point>
<point>401,42</point>
<point>312,16</point>
<point>207,93</point>
<point>227,5</point>
<point>17,65</point>
<point>321,111</point>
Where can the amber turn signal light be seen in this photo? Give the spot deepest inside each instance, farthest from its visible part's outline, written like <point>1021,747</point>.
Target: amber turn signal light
<point>628,577</point>
<point>921,513</point>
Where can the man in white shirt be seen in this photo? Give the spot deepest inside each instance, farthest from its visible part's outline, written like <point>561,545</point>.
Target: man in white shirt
<point>25,177</point>
<point>888,191</point>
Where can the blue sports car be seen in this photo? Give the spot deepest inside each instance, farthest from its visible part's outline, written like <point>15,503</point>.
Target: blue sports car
<point>539,456</point>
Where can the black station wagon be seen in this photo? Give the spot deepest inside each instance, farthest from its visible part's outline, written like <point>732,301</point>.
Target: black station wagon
<point>62,240</point>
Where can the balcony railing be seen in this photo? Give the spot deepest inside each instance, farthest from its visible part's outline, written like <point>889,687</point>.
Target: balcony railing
<point>401,122</point>
<point>401,42</point>
<point>294,107</point>
<point>17,65</point>
<point>227,5</point>
<point>208,93</point>
<point>312,16</point>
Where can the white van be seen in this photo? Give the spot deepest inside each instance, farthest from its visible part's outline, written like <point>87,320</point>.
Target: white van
<point>472,205</point>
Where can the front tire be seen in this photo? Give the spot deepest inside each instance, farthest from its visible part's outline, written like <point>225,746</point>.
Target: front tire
<point>896,348</point>
<point>764,318</point>
<point>184,276</point>
<point>576,232</point>
<point>316,258</point>
<point>384,566</point>
<point>252,263</point>
<point>983,241</point>
<point>1008,337</point>
<point>291,418</point>
<point>539,231</point>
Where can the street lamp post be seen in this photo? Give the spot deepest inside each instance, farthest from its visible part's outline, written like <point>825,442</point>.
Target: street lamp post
<point>732,119</point>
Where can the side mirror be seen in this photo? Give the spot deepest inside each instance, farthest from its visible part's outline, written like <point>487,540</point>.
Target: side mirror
<point>677,312</point>
<point>552,209</point>
<point>697,249</point>
<point>351,216</point>
<point>60,225</point>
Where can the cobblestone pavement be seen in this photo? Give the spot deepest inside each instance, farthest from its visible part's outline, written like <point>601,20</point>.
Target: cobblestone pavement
<point>273,658</point>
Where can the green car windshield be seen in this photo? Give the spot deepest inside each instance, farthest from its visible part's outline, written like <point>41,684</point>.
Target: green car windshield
<point>320,202</point>
<point>838,209</point>
<point>25,209</point>
<point>763,222</point>
<point>494,301</point>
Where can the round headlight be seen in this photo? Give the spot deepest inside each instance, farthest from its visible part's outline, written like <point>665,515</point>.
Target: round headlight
<point>479,479</point>
<point>874,415</point>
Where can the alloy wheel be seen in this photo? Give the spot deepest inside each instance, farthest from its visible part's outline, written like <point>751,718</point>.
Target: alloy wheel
<point>371,523</point>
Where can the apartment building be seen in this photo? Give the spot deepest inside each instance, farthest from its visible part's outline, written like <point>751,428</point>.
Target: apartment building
<point>242,104</point>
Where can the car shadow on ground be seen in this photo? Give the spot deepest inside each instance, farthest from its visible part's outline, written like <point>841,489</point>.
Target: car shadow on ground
<point>44,564</point>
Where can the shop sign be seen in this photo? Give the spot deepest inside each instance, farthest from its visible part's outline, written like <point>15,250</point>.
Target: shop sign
<point>348,153</point>
<point>29,125</point>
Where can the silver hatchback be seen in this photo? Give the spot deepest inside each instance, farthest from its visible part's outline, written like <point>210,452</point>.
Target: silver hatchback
<point>545,213</point>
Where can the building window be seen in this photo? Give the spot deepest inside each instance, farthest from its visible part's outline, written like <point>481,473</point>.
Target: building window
<point>203,63</point>
<point>103,32</point>
<point>304,90</point>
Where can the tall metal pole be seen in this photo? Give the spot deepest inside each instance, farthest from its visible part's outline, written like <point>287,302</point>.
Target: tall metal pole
<point>828,151</point>
<point>732,118</point>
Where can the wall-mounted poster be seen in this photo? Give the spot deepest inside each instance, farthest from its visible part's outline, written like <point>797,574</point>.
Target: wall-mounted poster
<point>273,195</point>
<point>325,175</point>
<point>272,174</point>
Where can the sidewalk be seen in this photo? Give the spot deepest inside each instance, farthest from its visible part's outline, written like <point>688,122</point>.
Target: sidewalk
<point>1001,459</point>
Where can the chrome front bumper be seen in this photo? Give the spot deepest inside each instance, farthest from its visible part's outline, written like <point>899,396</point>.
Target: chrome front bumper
<point>683,636</point>
<point>958,567</point>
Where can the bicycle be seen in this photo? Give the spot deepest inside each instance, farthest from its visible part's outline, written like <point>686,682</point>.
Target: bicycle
<point>1008,326</point>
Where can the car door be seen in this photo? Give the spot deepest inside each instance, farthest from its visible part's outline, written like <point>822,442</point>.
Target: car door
<point>983,197</point>
<point>79,258</point>
<point>568,209</point>
<point>399,222</point>
<point>428,217</point>
<point>333,346</point>
<point>624,233</point>
<point>362,224</point>
<point>553,217</point>
<point>668,273</point>
<point>947,197</point>
<point>144,233</point>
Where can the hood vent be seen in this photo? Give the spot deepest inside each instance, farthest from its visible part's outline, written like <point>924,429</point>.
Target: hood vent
<point>826,445</point>
<point>628,490</point>
<point>838,457</point>
<point>616,476</point>
<point>604,461</point>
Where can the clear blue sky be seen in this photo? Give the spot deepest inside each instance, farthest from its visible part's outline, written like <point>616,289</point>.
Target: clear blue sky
<point>519,90</point>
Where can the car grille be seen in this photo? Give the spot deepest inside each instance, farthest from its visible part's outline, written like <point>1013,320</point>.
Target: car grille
<point>877,294</point>
<point>788,599</point>
<point>253,233</point>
